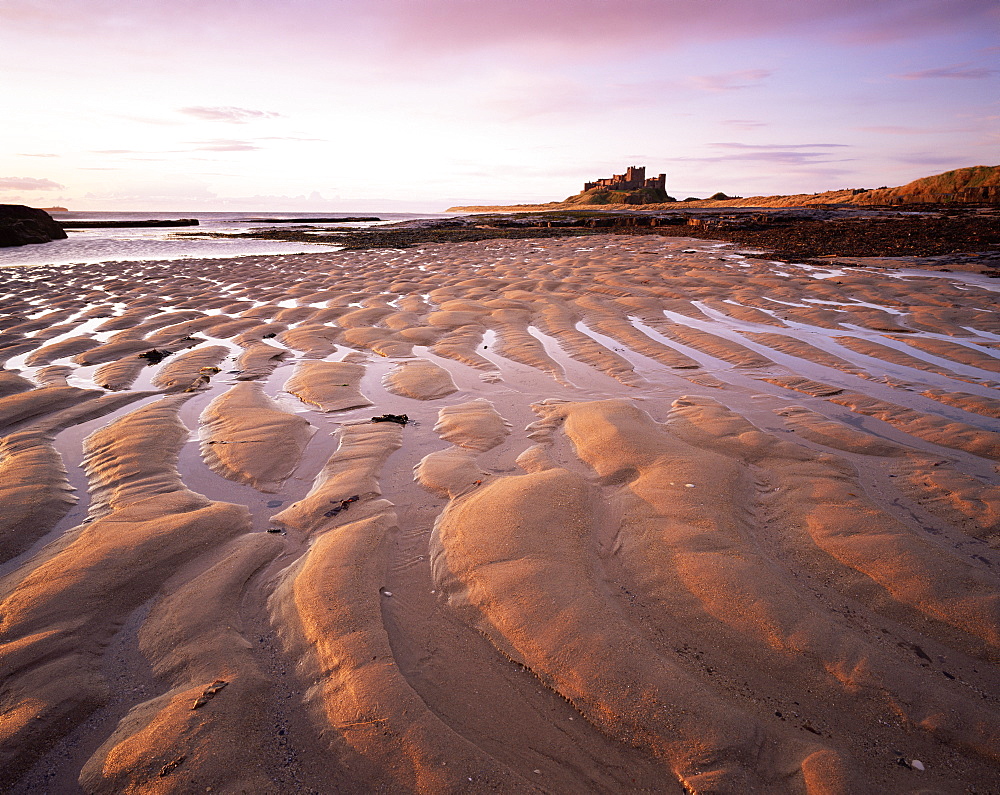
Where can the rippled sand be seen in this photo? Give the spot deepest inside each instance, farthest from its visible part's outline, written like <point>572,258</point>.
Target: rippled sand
<point>663,519</point>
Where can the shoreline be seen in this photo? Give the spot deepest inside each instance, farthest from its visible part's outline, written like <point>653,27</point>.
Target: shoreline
<point>963,240</point>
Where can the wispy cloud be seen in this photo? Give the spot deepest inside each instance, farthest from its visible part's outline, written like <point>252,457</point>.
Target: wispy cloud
<point>895,129</point>
<point>224,145</point>
<point>229,115</point>
<point>745,124</point>
<point>730,81</point>
<point>930,159</point>
<point>735,145</point>
<point>289,138</point>
<point>33,154</point>
<point>28,183</point>
<point>149,120</point>
<point>784,154</point>
<point>962,71</point>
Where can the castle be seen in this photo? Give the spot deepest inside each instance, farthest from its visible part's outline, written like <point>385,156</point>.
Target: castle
<point>633,179</point>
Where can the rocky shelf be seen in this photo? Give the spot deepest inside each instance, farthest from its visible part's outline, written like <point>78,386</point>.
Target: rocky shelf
<point>126,224</point>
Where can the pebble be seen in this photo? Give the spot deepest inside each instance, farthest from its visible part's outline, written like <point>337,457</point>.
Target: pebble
<point>916,764</point>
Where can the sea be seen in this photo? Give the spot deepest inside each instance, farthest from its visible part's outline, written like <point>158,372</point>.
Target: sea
<point>186,242</point>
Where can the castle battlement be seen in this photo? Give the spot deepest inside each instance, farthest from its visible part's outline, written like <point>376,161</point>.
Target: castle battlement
<point>633,179</point>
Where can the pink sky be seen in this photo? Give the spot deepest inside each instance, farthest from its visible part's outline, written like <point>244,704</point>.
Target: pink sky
<point>420,104</point>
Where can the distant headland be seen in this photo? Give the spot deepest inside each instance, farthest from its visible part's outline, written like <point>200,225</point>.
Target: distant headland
<point>971,185</point>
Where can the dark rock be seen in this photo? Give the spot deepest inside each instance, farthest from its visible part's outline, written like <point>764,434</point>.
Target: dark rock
<point>400,419</point>
<point>21,226</point>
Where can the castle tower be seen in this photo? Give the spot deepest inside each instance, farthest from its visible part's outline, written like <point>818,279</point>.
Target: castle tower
<point>635,177</point>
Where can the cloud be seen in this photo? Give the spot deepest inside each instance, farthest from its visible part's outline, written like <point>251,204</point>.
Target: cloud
<point>28,183</point>
<point>735,145</point>
<point>962,71</point>
<point>441,28</point>
<point>745,124</point>
<point>730,81</point>
<point>935,159</point>
<point>224,145</point>
<point>31,154</point>
<point>230,115</point>
<point>783,154</point>
<point>891,129</point>
<point>450,25</point>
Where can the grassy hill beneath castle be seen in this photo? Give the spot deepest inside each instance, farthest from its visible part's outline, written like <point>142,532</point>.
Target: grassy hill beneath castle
<point>605,196</point>
<point>963,185</point>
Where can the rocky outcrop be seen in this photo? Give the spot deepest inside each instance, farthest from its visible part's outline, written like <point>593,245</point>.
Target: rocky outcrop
<point>20,225</point>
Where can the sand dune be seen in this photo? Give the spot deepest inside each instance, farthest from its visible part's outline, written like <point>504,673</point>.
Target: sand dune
<point>661,518</point>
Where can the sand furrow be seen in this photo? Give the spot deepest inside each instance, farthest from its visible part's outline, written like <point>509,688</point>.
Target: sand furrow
<point>963,354</point>
<point>60,610</point>
<point>352,471</point>
<point>975,404</point>
<point>559,322</point>
<point>689,528</point>
<point>58,350</point>
<point>713,345</point>
<point>932,428</point>
<point>621,330</point>
<point>803,350</point>
<point>34,491</point>
<point>194,639</point>
<point>24,407</point>
<point>820,495</point>
<point>460,344</point>
<point>817,428</point>
<point>314,340</point>
<point>192,369</point>
<point>805,385</point>
<point>328,612</point>
<point>773,592</point>
<point>966,502</point>
<point>120,374</point>
<point>516,557</point>
<point>11,383</point>
<point>888,354</point>
<point>259,360</point>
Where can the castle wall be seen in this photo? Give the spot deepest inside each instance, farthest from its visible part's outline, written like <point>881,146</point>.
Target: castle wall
<point>633,179</point>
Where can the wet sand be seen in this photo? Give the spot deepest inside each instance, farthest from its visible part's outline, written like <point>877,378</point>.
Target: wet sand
<point>663,518</point>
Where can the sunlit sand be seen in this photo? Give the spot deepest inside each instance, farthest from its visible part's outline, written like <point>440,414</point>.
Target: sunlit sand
<point>662,518</point>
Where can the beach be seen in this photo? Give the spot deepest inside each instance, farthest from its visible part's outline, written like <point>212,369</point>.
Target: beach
<point>639,513</point>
